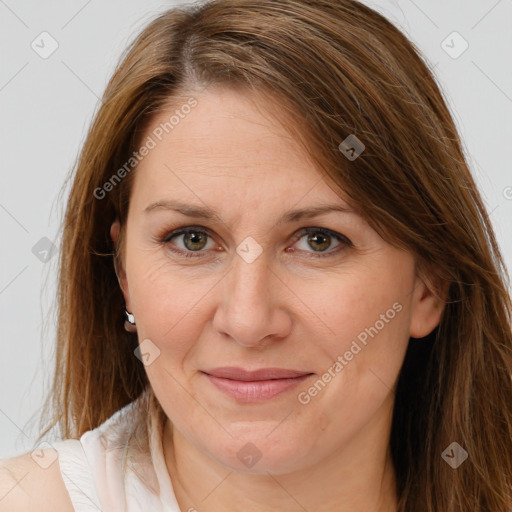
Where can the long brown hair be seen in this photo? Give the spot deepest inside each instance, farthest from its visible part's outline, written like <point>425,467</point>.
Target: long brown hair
<point>340,69</point>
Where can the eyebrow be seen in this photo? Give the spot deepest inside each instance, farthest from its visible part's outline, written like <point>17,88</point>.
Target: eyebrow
<point>202,212</point>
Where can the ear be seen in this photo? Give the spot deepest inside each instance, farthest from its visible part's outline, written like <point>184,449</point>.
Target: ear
<point>115,228</point>
<point>427,306</point>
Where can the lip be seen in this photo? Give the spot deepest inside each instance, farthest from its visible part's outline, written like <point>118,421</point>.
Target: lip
<point>255,385</point>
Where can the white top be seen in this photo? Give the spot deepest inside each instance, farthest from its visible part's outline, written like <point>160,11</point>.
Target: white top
<point>92,467</point>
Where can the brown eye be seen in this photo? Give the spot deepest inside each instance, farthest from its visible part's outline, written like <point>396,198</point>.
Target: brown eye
<point>195,240</point>
<point>188,241</point>
<point>320,240</point>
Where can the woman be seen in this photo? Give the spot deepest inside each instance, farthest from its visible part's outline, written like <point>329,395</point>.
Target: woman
<point>316,315</point>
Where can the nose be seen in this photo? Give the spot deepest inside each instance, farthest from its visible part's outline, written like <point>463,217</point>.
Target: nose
<point>252,306</point>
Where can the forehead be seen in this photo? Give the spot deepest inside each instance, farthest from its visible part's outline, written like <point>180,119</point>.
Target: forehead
<point>230,147</point>
<point>223,130</point>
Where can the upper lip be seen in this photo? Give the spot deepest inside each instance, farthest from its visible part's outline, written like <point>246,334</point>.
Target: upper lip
<point>234,373</point>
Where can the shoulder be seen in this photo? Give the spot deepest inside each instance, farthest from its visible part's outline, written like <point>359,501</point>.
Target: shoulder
<point>27,485</point>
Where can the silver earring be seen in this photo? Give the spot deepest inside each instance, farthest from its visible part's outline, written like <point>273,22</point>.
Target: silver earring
<point>129,323</point>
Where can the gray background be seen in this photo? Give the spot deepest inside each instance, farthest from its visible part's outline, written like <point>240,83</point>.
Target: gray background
<point>46,105</point>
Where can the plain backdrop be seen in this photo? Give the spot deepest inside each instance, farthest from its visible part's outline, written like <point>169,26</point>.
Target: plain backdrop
<point>48,101</point>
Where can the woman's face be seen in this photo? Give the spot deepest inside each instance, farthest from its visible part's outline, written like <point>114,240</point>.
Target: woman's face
<point>319,298</point>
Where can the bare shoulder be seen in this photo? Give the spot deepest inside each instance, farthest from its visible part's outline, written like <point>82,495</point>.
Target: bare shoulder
<point>28,484</point>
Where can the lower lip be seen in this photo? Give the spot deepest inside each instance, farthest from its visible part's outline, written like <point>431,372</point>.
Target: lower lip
<point>255,391</point>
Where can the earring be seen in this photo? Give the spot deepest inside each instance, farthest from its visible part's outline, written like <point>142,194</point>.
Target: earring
<point>129,323</point>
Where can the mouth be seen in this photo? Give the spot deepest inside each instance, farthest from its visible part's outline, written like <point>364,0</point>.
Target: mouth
<point>256,385</point>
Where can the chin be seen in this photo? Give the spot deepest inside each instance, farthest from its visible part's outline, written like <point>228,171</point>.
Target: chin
<point>259,454</point>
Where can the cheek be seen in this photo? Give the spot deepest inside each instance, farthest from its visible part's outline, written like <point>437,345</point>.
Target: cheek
<point>365,315</point>
<point>170,312</point>
<point>361,304</point>
<point>171,304</point>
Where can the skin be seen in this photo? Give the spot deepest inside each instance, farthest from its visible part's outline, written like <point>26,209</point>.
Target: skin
<point>286,309</point>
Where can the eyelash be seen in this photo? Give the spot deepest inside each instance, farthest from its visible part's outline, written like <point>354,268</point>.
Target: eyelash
<point>167,236</point>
